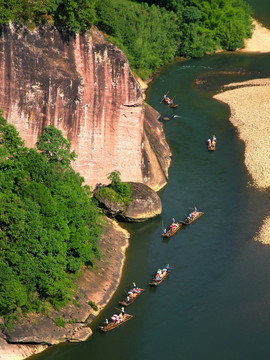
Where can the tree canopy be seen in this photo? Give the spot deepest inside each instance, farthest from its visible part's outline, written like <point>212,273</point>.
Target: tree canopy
<point>151,32</point>
<point>49,225</point>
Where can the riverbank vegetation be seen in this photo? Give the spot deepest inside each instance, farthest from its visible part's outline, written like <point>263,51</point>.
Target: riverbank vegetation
<point>49,225</point>
<point>150,32</point>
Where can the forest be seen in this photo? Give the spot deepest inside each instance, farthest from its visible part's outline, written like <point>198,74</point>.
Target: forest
<point>152,33</point>
<point>49,223</point>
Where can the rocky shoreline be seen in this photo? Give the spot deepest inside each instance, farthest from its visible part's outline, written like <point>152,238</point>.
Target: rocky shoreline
<point>36,332</point>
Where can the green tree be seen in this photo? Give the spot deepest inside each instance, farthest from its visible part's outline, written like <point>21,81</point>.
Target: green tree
<point>49,224</point>
<point>57,149</point>
<point>121,188</point>
<point>75,14</point>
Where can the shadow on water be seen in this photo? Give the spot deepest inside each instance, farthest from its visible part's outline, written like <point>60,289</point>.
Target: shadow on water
<point>215,303</point>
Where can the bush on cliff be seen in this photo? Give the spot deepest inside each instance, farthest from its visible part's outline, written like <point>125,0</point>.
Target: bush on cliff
<point>115,197</point>
<point>49,226</point>
<point>121,188</point>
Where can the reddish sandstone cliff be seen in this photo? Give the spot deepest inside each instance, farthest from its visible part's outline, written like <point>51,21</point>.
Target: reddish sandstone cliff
<point>82,85</point>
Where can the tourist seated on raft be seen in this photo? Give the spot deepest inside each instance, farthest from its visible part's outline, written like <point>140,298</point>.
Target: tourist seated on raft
<point>158,276</point>
<point>115,318</point>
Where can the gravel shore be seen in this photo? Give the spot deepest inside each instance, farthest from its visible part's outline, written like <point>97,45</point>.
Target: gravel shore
<point>250,113</point>
<point>260,40</point>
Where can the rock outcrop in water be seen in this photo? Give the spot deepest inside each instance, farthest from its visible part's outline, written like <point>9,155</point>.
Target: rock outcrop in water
<point>82,85</point>
<point>144,205</point>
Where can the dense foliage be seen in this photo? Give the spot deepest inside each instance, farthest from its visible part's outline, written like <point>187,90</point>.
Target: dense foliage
<point>151,32</point>
<point>117,191</point>
<point>49,226</point>
<point>148,35</point>
<point>73,14</point>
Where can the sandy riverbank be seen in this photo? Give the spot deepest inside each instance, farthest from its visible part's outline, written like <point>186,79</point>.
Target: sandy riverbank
<point>260,40</point>
<point>250,114</point>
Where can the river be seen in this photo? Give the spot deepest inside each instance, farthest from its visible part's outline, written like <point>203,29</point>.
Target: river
<point>215,304</point>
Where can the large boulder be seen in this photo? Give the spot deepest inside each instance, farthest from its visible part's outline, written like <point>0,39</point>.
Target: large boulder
<point>145,204</point>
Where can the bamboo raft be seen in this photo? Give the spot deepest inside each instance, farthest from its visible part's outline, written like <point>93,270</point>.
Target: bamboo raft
<point>212,144</point>
<point>171,232</point>
<point>112,325</point>
<point>156,283</point>
<point>198,214</point>
<point>131,298</point>
<point>169,103</point>
<point>212,147</point>
<point>173,105</point>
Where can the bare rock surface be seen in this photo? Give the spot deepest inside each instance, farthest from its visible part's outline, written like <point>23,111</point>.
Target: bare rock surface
<point>145,204</point>
<point>18,351</point>
<point>82,85</point>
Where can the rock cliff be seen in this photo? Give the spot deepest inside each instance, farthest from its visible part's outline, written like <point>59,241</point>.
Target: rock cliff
<point>82,85</point>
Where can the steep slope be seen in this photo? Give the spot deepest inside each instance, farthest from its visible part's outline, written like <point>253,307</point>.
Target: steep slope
<point>82,85</point>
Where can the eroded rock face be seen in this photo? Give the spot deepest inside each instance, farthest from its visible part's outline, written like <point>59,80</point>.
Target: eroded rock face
<point>82,85</point>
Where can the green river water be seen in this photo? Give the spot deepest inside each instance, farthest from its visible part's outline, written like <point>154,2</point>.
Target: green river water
<point>215,304</point>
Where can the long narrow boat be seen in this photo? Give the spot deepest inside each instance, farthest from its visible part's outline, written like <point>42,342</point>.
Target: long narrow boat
<point>134,296</point>
<point>171,232</point>
<point>154,282</point>
<point>187,222</point>
<point>112,324</point>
